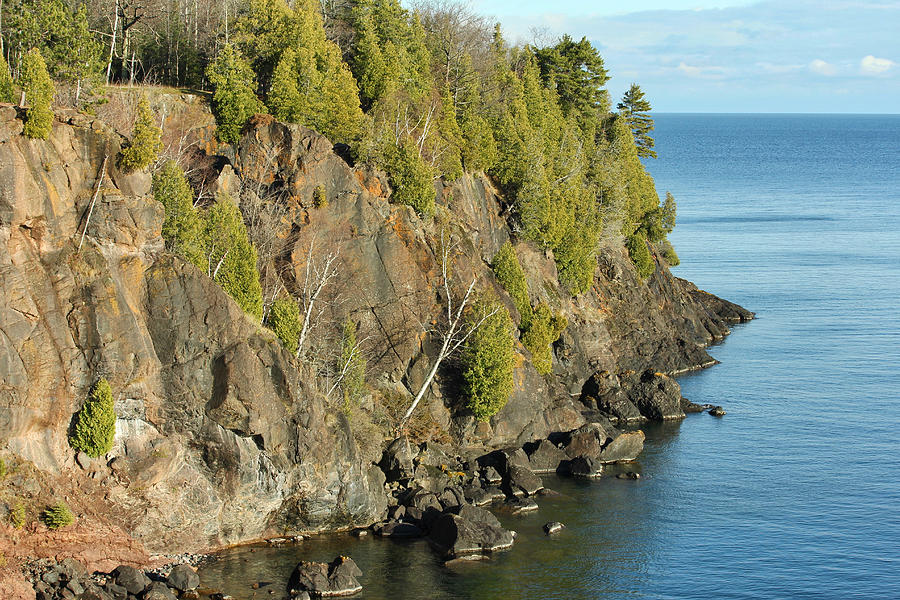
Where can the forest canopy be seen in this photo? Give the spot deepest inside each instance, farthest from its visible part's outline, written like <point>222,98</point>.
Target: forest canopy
<point>426,92</point>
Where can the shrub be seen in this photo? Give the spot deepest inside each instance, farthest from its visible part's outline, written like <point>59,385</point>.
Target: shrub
<point>95,424</point>
<point>230,257</point>
<point>411,178</point>
<point>284,319</point>
<point>669,255</point>
<point>320,199</point>
<point>7,91</point>
<point>640,255</point>
<point>145,142</point>
<point>39,91</point>
<point>17,515</point>
<point>181,228</point>
<point>58,516</point>
<point>353,366</point>
<point>509,273</point>
<point>545,328</point>
<point>488,359</point>
<point>2,468</point>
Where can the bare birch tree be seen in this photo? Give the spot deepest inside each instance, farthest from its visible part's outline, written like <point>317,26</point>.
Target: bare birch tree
<point>456,331</point>
<point>318,273</point>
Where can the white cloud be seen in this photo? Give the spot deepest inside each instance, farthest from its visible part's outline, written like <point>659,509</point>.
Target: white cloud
<point>871,65</point>
<point>822,68</point>
<point>694,71</point>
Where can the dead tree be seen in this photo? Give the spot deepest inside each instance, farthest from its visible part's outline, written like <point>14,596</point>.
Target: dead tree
<point>318,274</point>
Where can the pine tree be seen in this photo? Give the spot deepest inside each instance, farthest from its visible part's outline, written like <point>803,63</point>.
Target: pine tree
<point>181,228</point>
<point>35,82</point>
<point>509,273</point>
<point>488,359</point>
<point>544,329</point>
<point>640,254</point>
<point>7,91</point>
<point>234,99</point>
<point>95,424</point>
<point>230,257</point>
<point>82,61</point>
<point>285,102</point>
<point>369,65</point>
<point>146,140</point>
<point>668,213</point>
<point>635,108</point>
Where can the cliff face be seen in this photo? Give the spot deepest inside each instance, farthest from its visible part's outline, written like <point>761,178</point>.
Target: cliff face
<point>222,435</point>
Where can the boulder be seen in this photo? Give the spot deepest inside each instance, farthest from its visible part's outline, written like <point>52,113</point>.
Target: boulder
<point>523,482</point>
<point>658,397</point>
<point>337,578</point>
<point>631,475</point>
<point>623,448</point>
<point>183,578</point>
<point>396,529</point>
<point>583,443</point>
<point>131,579</point>
<point>456,536</point>
<point>397,460</point>
<point>553,527</point>
<point>159,591</point>
<point>717,411</point>
<point>545,457</point>
<point>518,506</point>
<point>584,466</point>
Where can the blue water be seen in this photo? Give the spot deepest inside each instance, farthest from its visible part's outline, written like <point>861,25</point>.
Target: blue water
<point>796,492</point>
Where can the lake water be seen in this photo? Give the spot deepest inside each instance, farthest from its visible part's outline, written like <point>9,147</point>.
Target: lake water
<point>796,492</point>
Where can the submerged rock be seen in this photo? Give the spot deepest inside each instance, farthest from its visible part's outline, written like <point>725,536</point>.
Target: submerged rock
<point>337,578</point>
<point>553,527</point>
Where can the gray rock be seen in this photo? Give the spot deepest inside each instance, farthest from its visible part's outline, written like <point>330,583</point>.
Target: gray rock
<point>337,578</point>
<point>629,475</point>
<point>717,411</point>
<point>522,482</point>
<point>624,448</point>
<point>457,536</point>
<point>183,578</point>
<point>545,457</point>
<point>159,591</point>
<point>518,506</point>
<point>553,527</point>
<point>131,579</point>
<point>396,529</point>
<point>583,466</point>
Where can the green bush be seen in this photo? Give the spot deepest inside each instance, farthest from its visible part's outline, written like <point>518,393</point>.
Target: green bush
<point>411,178</point>
<point>640,255</point>
<point>488,359</point>
<point>353,366</point>
<point>669,255</point>
<point>545,328</point>
<point>95,424</point>
<point>509,273</point>
<point>284,319</point>
<point>320,199</point>
<point>35,81</point>
<point>145,142</point>
<point>7,91</point>
<point>234,99</point>
<point>17,515</point>
<point>181,228</point>
<point>2,468</point>
<point>58,516</point>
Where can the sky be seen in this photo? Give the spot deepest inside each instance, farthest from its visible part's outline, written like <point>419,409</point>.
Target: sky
<point>832,56</point>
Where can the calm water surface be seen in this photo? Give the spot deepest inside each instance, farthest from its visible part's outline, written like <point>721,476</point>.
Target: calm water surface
<point>796,492</point>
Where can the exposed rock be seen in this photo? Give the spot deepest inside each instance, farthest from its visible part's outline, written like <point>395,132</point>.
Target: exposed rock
<point>623,448</point>
<point>523,482</point>
<point>553,527</point>
<point>521,505</point>
<point>133,580</point>
<point>583,466</point>
<point>183,578</point>
<point>456,536</point>
<point>397,529</point>
<point>337,578</point>
<point>545,457</point>
<point>717,411</point>
<point>628,475</point>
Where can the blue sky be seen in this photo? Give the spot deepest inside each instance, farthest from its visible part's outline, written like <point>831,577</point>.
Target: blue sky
<point>731,56</point>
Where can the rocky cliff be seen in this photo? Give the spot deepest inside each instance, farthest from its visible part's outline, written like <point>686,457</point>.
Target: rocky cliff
<point>222,435</point>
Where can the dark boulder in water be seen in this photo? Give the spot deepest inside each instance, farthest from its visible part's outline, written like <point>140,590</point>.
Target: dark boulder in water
<point>337,578</point>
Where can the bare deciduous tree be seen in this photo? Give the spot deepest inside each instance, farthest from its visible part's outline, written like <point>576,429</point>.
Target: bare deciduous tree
<point>318,273</point>
<point>456,331</point>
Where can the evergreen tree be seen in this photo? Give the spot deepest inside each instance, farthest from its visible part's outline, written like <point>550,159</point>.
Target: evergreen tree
<point>284,319</point>
<point>230,257</point>
<point>82,61</point>
<point>635,108</point>
<point>668,213</point>
<point>285,102</point>
<point>95,424</point>
<point>577,72</point>
<point>7,91</point>
<point>35,82</point>
<point>488,359</point>
<point>181,227</point>
<point>411,178</point>
<point>369,66</point>
<point>543,330</point>
<point>509,273</point>
<point>146,140</point>
<point>640,254</point>
<point>234,99</point>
